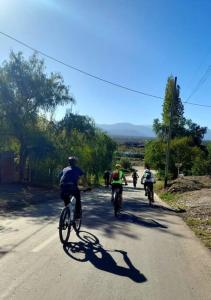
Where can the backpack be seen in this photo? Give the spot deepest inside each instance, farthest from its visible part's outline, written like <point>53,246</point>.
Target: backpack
<point>116,175</point>
<point>148,175</point>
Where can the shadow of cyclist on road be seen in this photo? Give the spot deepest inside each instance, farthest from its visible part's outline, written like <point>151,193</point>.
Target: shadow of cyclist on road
<point>89,250</point>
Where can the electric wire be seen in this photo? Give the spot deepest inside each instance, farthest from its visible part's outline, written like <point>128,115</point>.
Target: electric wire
<point>79,70</point>
<point>203,79</point>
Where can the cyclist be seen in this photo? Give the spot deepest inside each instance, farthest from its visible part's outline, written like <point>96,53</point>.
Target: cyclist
<point>148,179</point>
<point>69,178</point>
<point>135,177</point>
<point>106,177</point>
<point>116,180</point>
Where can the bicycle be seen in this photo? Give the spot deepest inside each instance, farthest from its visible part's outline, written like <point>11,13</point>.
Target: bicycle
<point>149,194</point>
<point>68,221</point>
<point>117,200</point>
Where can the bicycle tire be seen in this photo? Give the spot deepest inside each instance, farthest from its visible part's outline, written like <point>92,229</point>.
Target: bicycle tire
<point>64,226</point>
<point>149,193</point>
<point>116,204</point>
<point>77,225</point>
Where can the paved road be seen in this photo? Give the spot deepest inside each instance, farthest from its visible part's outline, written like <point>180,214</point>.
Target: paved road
<point>147,253</point>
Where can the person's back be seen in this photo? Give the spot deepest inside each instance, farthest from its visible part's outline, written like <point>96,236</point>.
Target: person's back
<point>69,178</point>
<point>148,175</point>
<point>148,179</point>
<point>106,177</point>
<point>71,175</point>
<point>117,178</point>
<point>135,175</point>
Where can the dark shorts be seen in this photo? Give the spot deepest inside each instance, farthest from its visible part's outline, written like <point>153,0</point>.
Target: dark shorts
<point>149,184</point>
<point>68,190</point>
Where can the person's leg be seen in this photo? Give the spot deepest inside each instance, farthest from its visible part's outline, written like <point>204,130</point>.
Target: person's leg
<point>64,195</point>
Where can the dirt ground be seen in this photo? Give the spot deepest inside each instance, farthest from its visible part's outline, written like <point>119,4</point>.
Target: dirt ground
<point>192,195</point>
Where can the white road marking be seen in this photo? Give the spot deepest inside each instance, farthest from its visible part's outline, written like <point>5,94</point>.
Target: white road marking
<point>45,243</point>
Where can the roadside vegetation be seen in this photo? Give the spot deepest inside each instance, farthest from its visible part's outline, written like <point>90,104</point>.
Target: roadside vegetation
<point>41,145</point>
<point>189,154</point>
<point>189,186</point>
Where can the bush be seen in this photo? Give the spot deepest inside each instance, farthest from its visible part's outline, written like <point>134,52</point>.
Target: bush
<point>125,163</point>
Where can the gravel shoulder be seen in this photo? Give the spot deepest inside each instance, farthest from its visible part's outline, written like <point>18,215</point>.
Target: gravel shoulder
<point>192,197</point>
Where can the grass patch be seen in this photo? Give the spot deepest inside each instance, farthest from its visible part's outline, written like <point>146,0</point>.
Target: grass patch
<point>201,228</point>
<point>168,197</point>
<point>158,186</point>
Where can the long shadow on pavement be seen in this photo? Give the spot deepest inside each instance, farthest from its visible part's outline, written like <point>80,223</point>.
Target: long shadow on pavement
<point>88,248</point>
<point>44,205</point>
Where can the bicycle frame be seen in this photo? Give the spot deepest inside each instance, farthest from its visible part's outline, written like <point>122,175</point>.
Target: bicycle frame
<point>149,194</point>
<point>71,206</point>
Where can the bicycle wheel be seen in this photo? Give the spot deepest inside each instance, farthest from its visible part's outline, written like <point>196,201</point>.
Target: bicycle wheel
<point>64,225</point>
<point>149,193</point>
<point>116,204</point>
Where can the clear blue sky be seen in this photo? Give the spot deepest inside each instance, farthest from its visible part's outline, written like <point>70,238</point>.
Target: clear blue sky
<point>137,43</point>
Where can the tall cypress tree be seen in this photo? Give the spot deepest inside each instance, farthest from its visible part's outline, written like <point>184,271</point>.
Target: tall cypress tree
<point>178,121</point>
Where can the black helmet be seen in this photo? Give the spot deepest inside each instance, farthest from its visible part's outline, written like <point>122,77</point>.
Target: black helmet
<point>72,160</point>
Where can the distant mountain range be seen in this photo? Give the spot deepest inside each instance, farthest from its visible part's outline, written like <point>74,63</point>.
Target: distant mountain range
<point>131,130</point>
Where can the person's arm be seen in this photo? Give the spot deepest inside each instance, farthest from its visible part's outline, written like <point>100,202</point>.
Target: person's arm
<point>83,178</point>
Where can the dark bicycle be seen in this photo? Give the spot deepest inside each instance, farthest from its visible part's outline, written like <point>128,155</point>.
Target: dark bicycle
<point>68,221</point>
<point>116,201</point>
<point>149,194</point>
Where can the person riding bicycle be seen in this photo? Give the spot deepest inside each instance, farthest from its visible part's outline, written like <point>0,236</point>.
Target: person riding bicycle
<point>116,181</point>
<point>106,177</point>
<point>135,177</point>
<point>148,179</point>
<point>69,178</point>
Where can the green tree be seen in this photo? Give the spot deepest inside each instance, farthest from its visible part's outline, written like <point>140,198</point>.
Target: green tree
<point>178,121</point>
<point>125,163</point>
<point>26,90</point>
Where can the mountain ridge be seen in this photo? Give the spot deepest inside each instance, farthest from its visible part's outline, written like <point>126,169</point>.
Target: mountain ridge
<point>128,129</point>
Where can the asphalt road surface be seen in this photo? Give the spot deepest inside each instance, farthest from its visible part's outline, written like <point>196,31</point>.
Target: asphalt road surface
<point>146,253</point>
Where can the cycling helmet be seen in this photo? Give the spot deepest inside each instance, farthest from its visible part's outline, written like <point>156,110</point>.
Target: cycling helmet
<point>117,166</point>
<point>72,160</point>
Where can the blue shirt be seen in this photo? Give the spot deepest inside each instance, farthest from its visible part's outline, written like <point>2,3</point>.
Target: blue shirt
<point>71,175</point>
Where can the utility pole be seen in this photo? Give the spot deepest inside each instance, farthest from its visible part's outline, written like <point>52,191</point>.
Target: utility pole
<point>169,132</point>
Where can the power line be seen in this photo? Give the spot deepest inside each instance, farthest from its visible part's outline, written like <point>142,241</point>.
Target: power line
<point>196,104</point>
<point>201,82</point>
<point>91,75</point>
<point>79,70</point>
